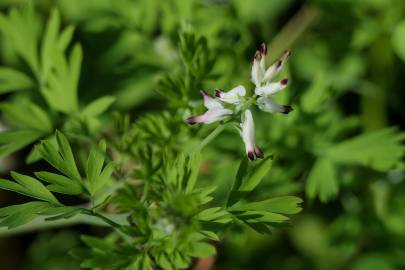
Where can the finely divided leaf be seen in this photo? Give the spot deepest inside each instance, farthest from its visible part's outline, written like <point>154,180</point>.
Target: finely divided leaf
<point>380,150</point>
<point>60,183</point>
<point>247,178</point>
<point>322,181</point>
<point>282,205</point>
<point>13,80</point>
<point>98,175</point>
<point>98,106</point>
<point>16,215</point>
<point>11,141</point>
<point>28,186</point>
<point>60,156</point>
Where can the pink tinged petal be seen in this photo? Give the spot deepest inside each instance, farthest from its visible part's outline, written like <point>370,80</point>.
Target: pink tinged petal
<point>210,116</point>
<point>267,104</point>
<point>193,120</point>
<point>274,69</point>
<point>232,96</point>
<point>271,88</point>
<point>209,102</point>
<point>257,72</point>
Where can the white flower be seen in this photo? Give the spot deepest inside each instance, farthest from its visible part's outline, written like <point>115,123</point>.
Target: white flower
<point>215,112</point>
<point>232,96</point>
<point>248,134</point>
<point>261,77</point>
<point>267,104</point>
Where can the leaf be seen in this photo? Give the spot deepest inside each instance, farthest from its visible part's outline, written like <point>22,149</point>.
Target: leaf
<point>98,106</point>
<point>12,141</point>
<point>204,194</point>
<point>75,61</point>
<point>97,243</point>
<point>28,186</point>
<point>215,214</point>
<point>13,80</point>
<point>282,205</point>
<point>201,250</point>
<point>163,261</point>
<point>193,169</point>
<point>59,75</point>
<point>262,217</point>
<point>65,37</point>
<point>61,88</point>
<point>60,183</point>
<point>20,214</point>
<point>49,42</point>
<point>247,178</point>
<point>98,176</point>
<point>322,181</point>
<point>380,150</point>
<point>261,221</point>
<point>60,156</point>
<point>211,235</point>
<point>316,95</point>
<point>16,115</point>
<point>20,28</point>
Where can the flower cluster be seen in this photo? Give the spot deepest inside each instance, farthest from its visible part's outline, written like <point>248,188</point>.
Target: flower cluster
<point>233,102</point>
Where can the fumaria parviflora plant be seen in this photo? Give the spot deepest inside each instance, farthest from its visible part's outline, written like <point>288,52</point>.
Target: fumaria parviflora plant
<point>141,178</point>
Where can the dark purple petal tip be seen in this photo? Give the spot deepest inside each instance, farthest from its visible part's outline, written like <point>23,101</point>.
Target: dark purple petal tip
<point>191,120</point>
<point>287,109</point>
<point>251,155</point>
<point>259,152</point>
<point>263,49</point>
<point>217,93</point>
<point>284,81</point>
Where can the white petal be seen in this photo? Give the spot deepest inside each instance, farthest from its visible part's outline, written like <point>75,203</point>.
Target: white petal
<point>271,88</point>
<point>263,53</point>
<point>267,104</point>
<point>257,71</point>
<point>274,69</point>
<point>232,96</point>
<point>210,116</point>
<point>248,131</point>
<point>209,102</point>
<point>248,134</point>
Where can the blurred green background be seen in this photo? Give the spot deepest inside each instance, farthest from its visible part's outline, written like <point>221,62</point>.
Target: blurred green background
<point>341,149</point>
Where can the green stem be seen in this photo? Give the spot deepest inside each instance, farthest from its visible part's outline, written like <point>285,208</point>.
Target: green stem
<point>210,137</point>
<point>40,223</point>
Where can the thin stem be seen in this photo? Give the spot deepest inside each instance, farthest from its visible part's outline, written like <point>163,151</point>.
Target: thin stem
<point>107,220</point>
<point>210,137</point>
<point>40,223</point>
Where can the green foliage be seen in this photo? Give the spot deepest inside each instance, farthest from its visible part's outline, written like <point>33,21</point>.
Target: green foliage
<point>136,172</point>
<point>17,215</point>
<point>247,178</point>
<point>13,80</point>
<point>322,181</point>
<point>197,64</point>
<point>380,150</point>
<point>28,186</point>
